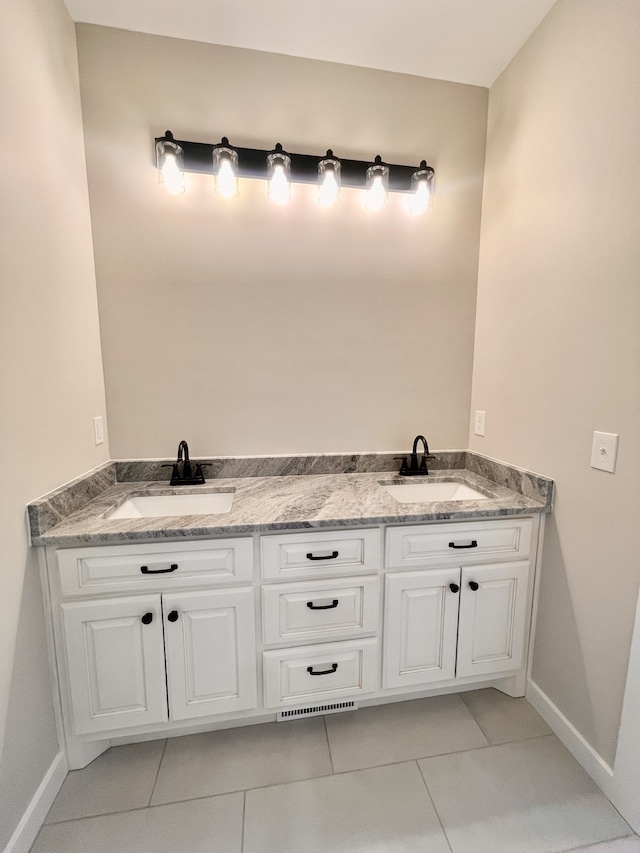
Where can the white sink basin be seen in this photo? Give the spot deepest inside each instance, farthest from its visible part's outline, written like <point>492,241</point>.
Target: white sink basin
<point>156,506</point>
<point>417,493</point>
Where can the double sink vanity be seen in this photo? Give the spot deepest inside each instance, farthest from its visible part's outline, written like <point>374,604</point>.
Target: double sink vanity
<point>283,586</point>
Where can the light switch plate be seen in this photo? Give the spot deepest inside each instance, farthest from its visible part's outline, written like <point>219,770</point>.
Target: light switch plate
<point>479,423</point>
<point>98,430</point>
<point>604,451</point>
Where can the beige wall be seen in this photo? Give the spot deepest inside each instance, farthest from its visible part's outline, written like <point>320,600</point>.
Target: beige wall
<point>557,351</point>
<point>51,381</point>
<point>247,328</point>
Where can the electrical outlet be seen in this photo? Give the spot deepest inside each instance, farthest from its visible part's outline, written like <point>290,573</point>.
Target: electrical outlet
<point>479,423</point>
<point>98,430</point>
<point>604,451</point>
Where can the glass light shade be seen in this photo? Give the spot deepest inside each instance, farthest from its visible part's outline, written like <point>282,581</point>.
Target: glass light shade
<point>170,163</point>
<point>328,180</point>
<point>225,167</point>
<point>279,169</point>
<point>377,185</point>
<point>421,189</point>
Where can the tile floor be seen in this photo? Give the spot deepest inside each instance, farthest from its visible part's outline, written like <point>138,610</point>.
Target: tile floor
<point>468,773</point>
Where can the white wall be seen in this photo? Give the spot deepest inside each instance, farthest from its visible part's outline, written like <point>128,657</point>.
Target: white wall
<point>557,351</point>
<point>51,382</point>
<point>247,328</point>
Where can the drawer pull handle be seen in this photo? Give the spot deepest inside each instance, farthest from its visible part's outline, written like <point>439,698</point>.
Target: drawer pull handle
<point>474,544</point>
<point>147,619</point>
<point>473,585</point>
<point>327,557</point>
<point>334,666</point>
<point>313,606</point>
<point>454,587</point>
<point>173,616</point>
<point>147,571</point>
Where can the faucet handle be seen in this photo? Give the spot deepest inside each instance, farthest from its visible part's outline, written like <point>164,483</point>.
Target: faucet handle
<point>175,475</point>
<point>404,467</point>
<point>423,464</point>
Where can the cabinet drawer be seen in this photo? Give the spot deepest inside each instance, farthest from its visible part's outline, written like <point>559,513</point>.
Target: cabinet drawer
<point>295,676</point>
<point>457,544</point>
<point>298,555</point>
<point>117,568</point>
<point>319,610</point>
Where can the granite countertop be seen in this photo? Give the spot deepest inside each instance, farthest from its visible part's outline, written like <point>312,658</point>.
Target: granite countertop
<point>271,503</point>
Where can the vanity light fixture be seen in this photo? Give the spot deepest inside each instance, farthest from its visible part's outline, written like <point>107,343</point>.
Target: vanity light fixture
<point>421,189</point>
<point>225,168</point>
<point>329,180</point>
<point>279,169</point>
<point>170,163</point>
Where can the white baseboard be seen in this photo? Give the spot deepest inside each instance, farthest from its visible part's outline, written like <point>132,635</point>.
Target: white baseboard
<point>37,810</point>
<point>580,748</point>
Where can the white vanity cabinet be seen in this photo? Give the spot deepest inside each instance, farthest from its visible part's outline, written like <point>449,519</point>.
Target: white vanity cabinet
<point>177,654</point>
<point>320,604</point>
<point>447,623</point>
<point>461,612</point>
<point>170,637</point>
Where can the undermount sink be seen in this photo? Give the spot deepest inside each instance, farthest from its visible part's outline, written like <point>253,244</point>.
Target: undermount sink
<point>416,493</point>
<point>156,506</point>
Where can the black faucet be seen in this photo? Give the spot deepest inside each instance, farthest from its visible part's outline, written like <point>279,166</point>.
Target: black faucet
<point>187,477</point>
<point>412,469</point>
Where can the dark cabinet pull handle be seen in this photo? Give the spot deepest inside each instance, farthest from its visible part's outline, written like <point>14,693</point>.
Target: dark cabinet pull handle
<point>474,544</point>
<point>328,557</point>
<point>147,571</point>
<point>454,587</point>
<point>173,616</point>
<point>147,619</point>
<point>334,666</point>
<point>473,585</point>
<point>313,606</point>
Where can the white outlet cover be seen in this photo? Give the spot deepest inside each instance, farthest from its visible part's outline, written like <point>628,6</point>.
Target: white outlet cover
<point>604,451</point>
<point>479,423</point>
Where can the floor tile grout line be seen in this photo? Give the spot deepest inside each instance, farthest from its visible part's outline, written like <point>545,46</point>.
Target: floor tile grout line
<point>326,733</point>
<point>244,814</point>
<point>155,781</point>
<point>154,806</point>
<point>593,844</point>
<point>476,720</point>
<point>424,782</point>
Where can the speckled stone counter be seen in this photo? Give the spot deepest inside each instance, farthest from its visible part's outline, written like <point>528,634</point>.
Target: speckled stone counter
<point>298,492</point>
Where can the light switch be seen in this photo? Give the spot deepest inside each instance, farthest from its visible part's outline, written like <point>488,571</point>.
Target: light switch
<point>604,451</point>
<point>479,423</point>
<point>98,430</point>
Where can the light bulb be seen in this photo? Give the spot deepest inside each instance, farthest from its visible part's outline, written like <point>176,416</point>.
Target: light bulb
<point>225,169</point>
<point>421,190</point>
<point>329,169</point>
<point>420,198</point>
<point>172,176</point>
<point>279,190</point>
<point>329,190</point>
<point>376,195</point>
<point>226,180</point>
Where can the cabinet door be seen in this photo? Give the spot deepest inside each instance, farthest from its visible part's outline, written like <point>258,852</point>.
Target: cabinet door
<point>421,618</point>
<point>115,657</point>
<point>493,601</point>
<point>211,653</point>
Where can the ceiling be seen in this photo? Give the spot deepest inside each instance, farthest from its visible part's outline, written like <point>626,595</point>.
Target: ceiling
<point>467,41</point>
